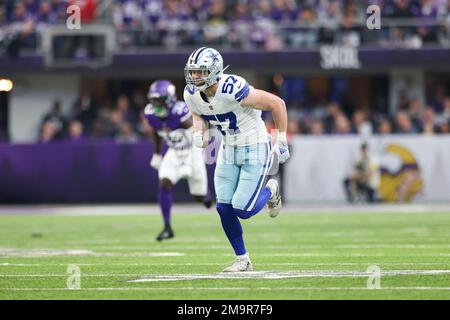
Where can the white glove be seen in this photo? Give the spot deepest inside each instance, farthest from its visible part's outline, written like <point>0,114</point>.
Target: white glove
<point>156,161</point>
<point>281,147</point>
<point>197,137</point>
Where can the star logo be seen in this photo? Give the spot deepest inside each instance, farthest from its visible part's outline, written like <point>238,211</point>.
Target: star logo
<point>214,56</point>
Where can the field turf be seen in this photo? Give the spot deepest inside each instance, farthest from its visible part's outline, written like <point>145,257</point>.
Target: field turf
<point>295,256</point>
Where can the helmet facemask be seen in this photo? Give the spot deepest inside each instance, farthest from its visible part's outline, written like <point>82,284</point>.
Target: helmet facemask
<point>159,106</point>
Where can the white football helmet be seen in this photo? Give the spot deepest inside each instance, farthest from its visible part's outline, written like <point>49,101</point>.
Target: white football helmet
<point>209,62</point>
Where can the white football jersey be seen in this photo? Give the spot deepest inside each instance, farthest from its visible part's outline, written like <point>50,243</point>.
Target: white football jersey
<point>240,126</point>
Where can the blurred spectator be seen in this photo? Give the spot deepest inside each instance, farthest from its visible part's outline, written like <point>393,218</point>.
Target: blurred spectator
<point>48,132</point>
<point>293,127</point>
<point>240,26</point>
<point>216,27</point>
<point>365,178</point>
<point>307,35</point>
<point>123,106</point>
<point>329,20</point>
<point>58,120</point>
<point>360,123</point>
<point>75,132</point>
<point>349,35</point>
<point>127,134</point>
<point>429,122</point>
<point>404,124</point>
<point>384,126</point>
<point>85,110</point>
<point>332,111</point>
<point>415,111</point>
<point>444,127</point>
<point>446,107</point>
<point>428,10</point>
<point>317,127</point>
<point>99,131</point>
<point>113,124</point>
<point>438,98</point>
<point>342,124</point>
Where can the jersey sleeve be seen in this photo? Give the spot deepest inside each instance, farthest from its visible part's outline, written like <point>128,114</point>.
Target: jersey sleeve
<point>235,88</point>
<point>149,115</point>
<point>181,111</point>
<point>243,89</point>
<point>188,97</point>
<point>152,120</point>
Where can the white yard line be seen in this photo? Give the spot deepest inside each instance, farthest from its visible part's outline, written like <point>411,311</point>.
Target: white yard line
<point>35,253</point>
<point>235,289</point>
<point>261,275</point>
<point>276,247</point>
<point>8,264</point>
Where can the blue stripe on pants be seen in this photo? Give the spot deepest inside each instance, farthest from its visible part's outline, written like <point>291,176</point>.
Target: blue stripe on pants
<point>265,168</point>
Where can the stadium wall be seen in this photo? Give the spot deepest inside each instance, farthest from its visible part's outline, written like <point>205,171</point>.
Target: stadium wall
<point>412,167</point>
<point>32,97</point>
<point>107,172</point>
<point>90,172</point>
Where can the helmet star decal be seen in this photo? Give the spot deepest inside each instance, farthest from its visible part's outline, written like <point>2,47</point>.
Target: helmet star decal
<point>214,56</point>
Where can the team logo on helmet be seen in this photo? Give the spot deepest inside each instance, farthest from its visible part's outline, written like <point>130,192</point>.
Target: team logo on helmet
<point>161,95</point>
<point>203,68</point>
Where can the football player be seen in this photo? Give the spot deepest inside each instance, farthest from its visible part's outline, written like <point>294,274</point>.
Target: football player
<point>229,103</point>
<point>172,122</point>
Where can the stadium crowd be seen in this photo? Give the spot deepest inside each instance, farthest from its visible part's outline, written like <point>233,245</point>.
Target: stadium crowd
<point>269,24</point>
<point>124,122</point>
<point>278,23</point>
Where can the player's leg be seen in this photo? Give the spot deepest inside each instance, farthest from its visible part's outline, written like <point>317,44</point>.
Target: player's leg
<point>165,203</point>
<point>348,190</point>
<point>226,178</point>
<point>252,194</point>
<point>168,177</point>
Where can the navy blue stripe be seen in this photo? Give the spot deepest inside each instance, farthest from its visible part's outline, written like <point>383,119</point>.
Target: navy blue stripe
<point>189,89</point>
<point>198,54</point>
<point>191,57</point>
<point>242,93</point>
<point>261,178</point>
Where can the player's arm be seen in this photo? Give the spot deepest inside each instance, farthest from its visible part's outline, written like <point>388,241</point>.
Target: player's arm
<point>155,162</point>
<point>157,142</point>
<point>200,128</point>
<point>263,100</point>
<point>199,125</point>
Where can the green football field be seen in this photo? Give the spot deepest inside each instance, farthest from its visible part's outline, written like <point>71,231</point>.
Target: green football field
<point>295,256</point>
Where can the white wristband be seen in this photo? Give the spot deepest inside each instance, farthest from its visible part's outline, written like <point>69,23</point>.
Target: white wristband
<point>281,137</point>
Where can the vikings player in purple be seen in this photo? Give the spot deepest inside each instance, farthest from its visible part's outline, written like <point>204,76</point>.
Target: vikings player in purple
<point>172,122</point>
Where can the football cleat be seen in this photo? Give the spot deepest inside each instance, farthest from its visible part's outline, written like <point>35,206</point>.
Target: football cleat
<point>274,202</point>
<point>241,264</point>
<point>208,203</point>
<point>167,233</point>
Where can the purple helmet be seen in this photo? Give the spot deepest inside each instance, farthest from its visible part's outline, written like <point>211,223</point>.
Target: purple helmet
<point>161,95</point>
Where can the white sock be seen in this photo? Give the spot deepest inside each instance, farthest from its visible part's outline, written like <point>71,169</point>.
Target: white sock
<point>243,257</point>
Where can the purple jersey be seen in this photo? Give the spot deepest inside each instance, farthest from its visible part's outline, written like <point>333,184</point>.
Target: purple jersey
<point>171,129</point>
